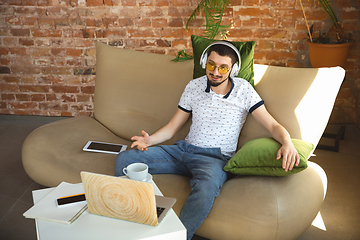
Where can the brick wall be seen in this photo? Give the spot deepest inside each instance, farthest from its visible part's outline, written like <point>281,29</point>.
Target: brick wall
<point>48,56</point>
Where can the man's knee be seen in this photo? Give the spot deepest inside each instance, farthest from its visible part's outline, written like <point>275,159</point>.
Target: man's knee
<point>123,160</point>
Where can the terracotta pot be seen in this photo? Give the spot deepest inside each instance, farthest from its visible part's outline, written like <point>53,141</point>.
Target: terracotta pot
<point>328,55</point>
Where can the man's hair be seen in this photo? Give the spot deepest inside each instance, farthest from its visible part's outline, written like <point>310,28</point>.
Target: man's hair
<point>224,50</point>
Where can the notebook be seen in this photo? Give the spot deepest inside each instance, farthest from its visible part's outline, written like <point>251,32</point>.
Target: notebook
<point>124,199</point>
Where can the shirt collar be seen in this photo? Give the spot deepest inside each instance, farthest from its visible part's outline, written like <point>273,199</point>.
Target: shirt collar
<point>207,90</point>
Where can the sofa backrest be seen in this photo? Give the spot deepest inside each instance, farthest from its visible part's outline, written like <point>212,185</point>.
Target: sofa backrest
<point>137,91</point>
<point>300,99</point>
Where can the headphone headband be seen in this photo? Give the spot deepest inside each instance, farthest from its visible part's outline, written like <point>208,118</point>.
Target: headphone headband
<point>236,67</point>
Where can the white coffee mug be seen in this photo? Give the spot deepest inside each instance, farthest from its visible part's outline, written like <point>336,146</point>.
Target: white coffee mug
<point>136,171</point>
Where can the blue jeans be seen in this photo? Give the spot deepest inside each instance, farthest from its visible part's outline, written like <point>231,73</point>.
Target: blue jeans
<point>203,165</point>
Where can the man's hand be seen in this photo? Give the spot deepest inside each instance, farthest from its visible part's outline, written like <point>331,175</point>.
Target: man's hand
<point>290,156</point>
<point>141,142</point>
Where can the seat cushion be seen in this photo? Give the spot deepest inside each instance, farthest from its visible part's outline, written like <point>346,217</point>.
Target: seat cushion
<point>53,153</point>
<point>256,207</point>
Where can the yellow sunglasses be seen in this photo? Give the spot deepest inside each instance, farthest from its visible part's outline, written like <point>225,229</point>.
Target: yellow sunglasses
<point>222,69</point>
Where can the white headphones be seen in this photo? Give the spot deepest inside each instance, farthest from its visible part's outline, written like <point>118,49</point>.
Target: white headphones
<point>235,69</point>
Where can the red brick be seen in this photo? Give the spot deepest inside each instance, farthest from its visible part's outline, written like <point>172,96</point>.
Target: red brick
<point>29,21</point>
<point>159,22</point>
<point>162,3</point>
<point>11,79</point>
<point>13,21</point>
<point>46,33</point>
<point>13,2</point>
<point>145,33</point>
<point>20,32</point>
<point>176,22</point>
<point>243,33</point>
<point>83,97</point>
<point>74,62</point>
<point>279,55</point>
<point>4,51</point>
<point>179,2</point>
<point>56,70</point>
<point>18,69</point>
<point>44,2</point>
<point>58,52</point>
<point>350,14</point>
<point>68,98</point>
<point>342,4</point>
<point>73,52</point>
<point>10,41</point>
<point>145,2</point>
<point>128,2</point>
<point>39,52</point>
<point>22,105</point>
<point>8,97</point>
<point>112,2</point>
<point>51,97</point>
<point>53,106</point>
<point>29,2</point>
<point>143,22</point>
<point>37,97</point>
<point>177,11</point>
<point>110,22</point>
<point>26,42</point>
<point>65,89</point>
<point>61,22</point>
<point>247,2</point>
<point>91,3</point>
<point>23,97</point>
<point>34,88</point>
<point>93,22</point>
<point>5,87</point>
<point>264,33</point>
<point>88,89</point>
<point>252,11</point>
<point>125,22</point>
<point>18,51</point>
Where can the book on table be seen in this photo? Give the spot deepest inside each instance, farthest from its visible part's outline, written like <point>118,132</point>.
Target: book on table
<point>47,208</point>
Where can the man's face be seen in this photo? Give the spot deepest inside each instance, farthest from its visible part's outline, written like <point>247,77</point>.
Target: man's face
<point>221,63</point>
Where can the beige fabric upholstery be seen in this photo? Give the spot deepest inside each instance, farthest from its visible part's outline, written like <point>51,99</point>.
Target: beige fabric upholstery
<point>137,91</point>
<point>300,99</point>
<point>133,95</point>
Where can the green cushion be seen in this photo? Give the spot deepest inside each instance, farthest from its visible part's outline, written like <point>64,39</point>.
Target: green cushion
<point>258,157</point>
<point>246,50</point>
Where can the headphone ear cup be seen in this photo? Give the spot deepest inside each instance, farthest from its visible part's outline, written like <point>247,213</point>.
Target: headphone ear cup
<point>203,60</point>
<point>235,70</point>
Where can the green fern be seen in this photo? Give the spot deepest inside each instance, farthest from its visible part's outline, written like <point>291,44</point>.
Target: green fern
<point>182,56</point>
<point>213,11</point>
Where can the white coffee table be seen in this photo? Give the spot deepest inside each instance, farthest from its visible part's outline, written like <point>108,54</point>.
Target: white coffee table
<point>89,226</point>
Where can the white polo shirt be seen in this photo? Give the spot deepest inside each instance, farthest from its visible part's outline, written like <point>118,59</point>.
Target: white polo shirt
<point>217,119</point>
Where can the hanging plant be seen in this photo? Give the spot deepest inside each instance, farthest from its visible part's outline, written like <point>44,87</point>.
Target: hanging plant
<point>212,11</point>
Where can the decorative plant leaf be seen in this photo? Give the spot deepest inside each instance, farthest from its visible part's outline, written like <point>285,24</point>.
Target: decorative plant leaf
<point>213,11</point>
<point>182,56</point>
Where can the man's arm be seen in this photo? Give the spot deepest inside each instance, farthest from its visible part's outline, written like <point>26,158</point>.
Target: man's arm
<point>163,134</point>
<point>279,133</point>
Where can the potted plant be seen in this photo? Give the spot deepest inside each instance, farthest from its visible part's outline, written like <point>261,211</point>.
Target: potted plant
<point>331,48</point>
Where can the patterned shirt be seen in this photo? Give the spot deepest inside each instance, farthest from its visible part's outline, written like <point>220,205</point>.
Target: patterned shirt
<point>217,119</point>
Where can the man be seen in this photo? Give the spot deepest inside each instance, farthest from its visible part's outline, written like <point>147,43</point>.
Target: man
<point>219,104</point>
